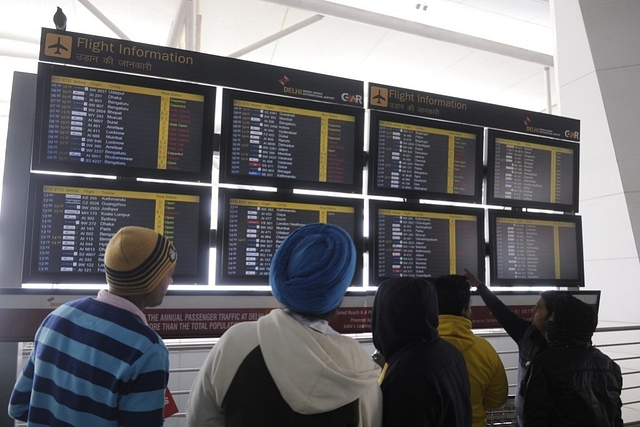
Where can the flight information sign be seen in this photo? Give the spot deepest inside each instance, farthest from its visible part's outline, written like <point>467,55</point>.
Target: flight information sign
<point>255,224</point>
<point>73,222</point>
<point>532,172</point>
<point>412,240</point>
<point>121,125</point>
<point>419,158</point>
<point>290,144</point>
<point>529,248</point>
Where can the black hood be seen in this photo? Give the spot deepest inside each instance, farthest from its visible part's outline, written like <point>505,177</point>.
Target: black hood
<point>405,312</point>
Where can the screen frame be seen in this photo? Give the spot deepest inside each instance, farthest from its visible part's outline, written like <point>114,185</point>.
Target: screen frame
<point>375,117</point>
<point>43,91</point>
<point>226,135</point>
<point>222,233</point>
<point>491,199</point>
<point>517,214</point>
<point>376,205</point>
<point>36,183</point>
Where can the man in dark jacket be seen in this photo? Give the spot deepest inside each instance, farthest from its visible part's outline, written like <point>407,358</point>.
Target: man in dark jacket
<point>425,382</point>
<point>573,383</point>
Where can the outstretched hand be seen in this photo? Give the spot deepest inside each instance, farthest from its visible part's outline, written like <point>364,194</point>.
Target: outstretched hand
<point>472,278</point>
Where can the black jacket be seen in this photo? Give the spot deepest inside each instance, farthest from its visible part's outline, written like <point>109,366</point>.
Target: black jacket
<point>530,340</point>
<point>573,386</point>
<point>426,383</point>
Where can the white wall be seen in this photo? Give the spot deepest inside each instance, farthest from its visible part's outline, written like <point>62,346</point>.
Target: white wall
<point>598,86</point>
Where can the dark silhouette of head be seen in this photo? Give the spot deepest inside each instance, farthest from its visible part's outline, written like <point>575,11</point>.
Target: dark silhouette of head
<point>454,294</point>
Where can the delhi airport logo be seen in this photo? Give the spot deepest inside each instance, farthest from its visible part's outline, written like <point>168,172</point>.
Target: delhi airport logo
<point>379,96</point>
<point>289,90</point>
<point>58,46</point>
<point>284,80</point>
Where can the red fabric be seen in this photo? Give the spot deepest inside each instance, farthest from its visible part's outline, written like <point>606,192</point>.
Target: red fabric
<point>170,406</point>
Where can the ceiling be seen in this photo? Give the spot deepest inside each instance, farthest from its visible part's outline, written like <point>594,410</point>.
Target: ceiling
<point>493,51</point>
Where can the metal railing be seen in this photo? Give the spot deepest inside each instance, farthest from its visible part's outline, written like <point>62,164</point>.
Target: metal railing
<point>504,416</point>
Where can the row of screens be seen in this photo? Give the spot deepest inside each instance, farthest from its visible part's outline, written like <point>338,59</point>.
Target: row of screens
<point>72,220</point>
<point>94,122</point>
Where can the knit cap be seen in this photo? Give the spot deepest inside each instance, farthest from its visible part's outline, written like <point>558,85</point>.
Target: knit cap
<point>312,268</point>
<point>136,260</point>
<point>573,321</point>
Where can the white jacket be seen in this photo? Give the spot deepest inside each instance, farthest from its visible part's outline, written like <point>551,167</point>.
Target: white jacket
<point>314,372</point>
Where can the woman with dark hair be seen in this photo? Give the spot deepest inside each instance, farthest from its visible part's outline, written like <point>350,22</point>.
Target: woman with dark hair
<point>529,335</point>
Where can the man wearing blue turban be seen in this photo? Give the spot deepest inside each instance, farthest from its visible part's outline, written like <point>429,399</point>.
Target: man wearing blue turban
<point>290,368</point>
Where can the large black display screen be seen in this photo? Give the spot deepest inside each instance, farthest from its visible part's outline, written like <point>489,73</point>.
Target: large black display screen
<point>535,249</point>
<point>419,240</point>
<point>116,124</point>
<point>72,220</point>
<point>289,143</point>
<point>418,158</point>
<point>532,172</point>
<point>252,224</point>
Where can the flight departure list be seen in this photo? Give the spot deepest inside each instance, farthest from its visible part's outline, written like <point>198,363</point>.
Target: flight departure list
<point>423,158</point>
<point>536,249</point>
<point>533,172</point>
<point>257,227</point>
<point>292,143</point>
<point>76,224</point>
<point>425,244</point>
<point>101,123</point>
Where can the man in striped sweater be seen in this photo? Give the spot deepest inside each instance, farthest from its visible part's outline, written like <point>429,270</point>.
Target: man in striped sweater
<point>95,361</point>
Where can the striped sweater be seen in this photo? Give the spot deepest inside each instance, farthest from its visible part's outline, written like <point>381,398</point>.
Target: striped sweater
<point>95,365</point>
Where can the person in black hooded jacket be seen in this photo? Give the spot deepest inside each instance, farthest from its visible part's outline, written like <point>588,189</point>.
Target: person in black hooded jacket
<point>527,334</point>
<point>573,383</point>
<point>425,381</point>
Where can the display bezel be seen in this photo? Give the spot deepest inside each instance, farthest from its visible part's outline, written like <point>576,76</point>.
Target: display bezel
<point>376,205</point>
<point>226,175</point>
<point>574,220</point>
<point>43,96</point>
<point>222,234</point>
<point>492,199</point>
<point>375,117</point>
<point>199,276</point>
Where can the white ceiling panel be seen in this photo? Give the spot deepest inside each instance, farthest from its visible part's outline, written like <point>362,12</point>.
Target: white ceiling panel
<point>336,44</point>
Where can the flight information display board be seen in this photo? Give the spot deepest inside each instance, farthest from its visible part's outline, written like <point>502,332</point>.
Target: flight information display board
<point>74,218</point>
<point>290,143</point>
<point>532,172</point>
<point>418,158</point>
<point>410,240</point>
<point>252,224</point>
<point>117,124</point>
<point>535,249</point>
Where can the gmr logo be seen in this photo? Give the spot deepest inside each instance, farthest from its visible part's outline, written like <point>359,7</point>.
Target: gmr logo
<point>353,99</point>
<point>572,134</point>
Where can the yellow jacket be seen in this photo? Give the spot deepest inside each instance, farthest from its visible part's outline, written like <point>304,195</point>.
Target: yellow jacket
<point>489,387</point>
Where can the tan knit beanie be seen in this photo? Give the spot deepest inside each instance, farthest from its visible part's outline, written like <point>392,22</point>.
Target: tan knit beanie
<point>136,260</point>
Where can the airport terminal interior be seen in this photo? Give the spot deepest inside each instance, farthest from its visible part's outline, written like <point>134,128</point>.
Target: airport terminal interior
<point>572,63</point>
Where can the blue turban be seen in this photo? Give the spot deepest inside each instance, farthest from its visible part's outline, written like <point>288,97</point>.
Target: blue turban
<point>312,268</point>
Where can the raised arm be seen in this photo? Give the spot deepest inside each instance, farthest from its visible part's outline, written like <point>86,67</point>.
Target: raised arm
<point>511,322</point>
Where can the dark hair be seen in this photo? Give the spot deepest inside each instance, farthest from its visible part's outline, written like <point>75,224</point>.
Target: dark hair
<point>454,293</point>
<point>322,316</point>
<point>574,320</point>
<point>549,298</point>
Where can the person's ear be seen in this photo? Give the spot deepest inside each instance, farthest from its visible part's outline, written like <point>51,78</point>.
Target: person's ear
<point>466,312</point>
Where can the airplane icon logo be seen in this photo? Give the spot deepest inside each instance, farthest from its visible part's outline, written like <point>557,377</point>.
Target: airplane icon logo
<point>379,96</point>
<point>58,46</point>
